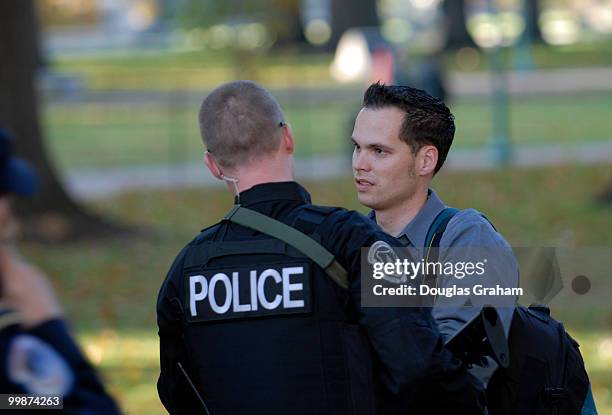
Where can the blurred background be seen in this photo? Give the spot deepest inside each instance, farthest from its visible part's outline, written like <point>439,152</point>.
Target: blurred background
<point>103,95</point>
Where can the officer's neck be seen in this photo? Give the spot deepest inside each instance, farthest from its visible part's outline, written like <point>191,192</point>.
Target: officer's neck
<point>269,170</point>
<point>393,219</point>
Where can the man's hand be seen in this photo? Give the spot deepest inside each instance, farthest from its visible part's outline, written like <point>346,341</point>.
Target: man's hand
<point>26,290</point>
<point>24,287</point>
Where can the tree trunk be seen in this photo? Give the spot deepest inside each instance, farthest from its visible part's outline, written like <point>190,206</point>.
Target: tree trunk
<point>346,14</point>
<point>457,34</point>
<point>287,23</point>
<point>532,16</point>
<point>52,214</point>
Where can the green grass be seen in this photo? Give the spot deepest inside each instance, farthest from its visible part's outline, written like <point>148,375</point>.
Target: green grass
<point>129,361</point>
<point>544,57</point>
<point>573,56</point>
<point>204,69</point>
<point>88,135</point>
<point>538,119</point>
<point>200,70</point>
<point>109,288</point>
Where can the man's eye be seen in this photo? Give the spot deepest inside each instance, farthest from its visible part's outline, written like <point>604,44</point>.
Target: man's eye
<point>379,151</point>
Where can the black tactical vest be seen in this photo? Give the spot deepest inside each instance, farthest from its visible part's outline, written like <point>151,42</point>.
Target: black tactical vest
<point>268,332</point>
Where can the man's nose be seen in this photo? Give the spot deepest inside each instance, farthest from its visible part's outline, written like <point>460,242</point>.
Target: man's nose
<point>360,161</point>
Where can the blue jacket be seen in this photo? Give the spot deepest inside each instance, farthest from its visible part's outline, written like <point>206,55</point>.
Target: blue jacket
<point>46,360</point>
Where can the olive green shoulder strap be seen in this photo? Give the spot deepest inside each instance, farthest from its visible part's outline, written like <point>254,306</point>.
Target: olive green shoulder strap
<point>8,317</point>
<point>300,241</point>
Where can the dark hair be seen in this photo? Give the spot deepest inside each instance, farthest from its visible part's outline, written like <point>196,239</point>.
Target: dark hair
<point>427,120</point>
<point>239,120</point>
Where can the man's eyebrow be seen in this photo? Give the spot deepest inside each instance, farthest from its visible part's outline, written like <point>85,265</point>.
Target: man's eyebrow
<point>372,145</point>
<point>378,145</point>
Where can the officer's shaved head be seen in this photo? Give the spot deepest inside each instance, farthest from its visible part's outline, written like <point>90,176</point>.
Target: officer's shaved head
<point>238,121</point>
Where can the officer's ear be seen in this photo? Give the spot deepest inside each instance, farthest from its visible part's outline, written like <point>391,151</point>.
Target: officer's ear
<point>287,138</point>
<point>212,165</point>
<point>426,160</point>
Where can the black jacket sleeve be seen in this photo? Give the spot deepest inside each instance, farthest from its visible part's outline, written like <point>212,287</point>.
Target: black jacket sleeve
<point>416,366</point>
<point>88,395</point>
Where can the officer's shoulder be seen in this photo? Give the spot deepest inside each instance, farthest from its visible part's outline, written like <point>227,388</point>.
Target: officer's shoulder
<point>317,212</point>
<point>205,234</point>
<point>338,217</point>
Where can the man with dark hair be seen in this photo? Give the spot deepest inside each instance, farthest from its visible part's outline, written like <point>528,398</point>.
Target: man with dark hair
<point>401,138</point>
<point>426,120</point>
<point>261,313</point>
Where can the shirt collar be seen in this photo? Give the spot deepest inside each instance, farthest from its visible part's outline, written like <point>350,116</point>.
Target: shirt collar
<point>267,192</point>
<point>416,230</point>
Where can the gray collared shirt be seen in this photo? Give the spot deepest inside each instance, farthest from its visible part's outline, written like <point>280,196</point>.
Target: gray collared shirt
<point>468,228</point>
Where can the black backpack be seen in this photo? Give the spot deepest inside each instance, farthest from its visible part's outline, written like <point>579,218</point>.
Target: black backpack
<point>546,374</point>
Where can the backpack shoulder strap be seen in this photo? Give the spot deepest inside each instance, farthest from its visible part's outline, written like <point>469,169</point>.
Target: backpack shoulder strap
<point>436,230</point>
<point>438,226</point>
<point>434,235</point>
<point>291,236</point>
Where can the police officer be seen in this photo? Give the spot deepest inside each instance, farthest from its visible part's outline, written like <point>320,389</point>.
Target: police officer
<point>261,313</point>
<point>38,356</point>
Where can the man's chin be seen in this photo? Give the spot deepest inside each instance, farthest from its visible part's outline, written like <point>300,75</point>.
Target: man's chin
<point>366,200</point>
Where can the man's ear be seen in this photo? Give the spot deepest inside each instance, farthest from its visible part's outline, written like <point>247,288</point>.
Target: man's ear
<point>287,139</point>
<point>212,165</point>
<point>427,159</point>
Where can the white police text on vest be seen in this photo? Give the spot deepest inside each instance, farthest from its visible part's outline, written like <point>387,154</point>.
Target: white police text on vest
<point>259,290</point>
